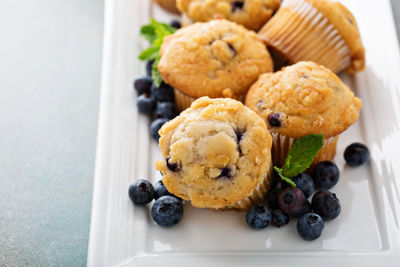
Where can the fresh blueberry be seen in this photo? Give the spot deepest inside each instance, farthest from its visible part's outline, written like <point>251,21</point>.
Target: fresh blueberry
<point>167,211</point>
<point>164,93</point>
<point>325,175</point>
<point>279,218</point>
<point>176,24</point>
<point>272,198</point>
<point>274,120</point>
<point>160,190</point>
<point>306,209</point>
<point>304,182</point>
<point>326,204</point>
<point>146,104</point>
<point>149,67</point>
<point>310,226</point>
<point>142,85</point>
<point>258,216</point>
<point>356,154</point>
<point>172,166</point>
<point>165,110</point>
<point>156,126</point>
<point>237,5</point>
<point>292,201</point>
<point>141,192</point>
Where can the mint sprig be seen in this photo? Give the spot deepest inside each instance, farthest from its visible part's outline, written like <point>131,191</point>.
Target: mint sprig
<point>154,33</point>
<point>300,157</point>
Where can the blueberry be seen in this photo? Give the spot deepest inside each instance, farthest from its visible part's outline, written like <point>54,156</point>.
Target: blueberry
<point>156,126</point>
<point>356,154</point>
<point>274,120</point>
<point>325,175</point>
<point>146,104</point>
<point>258,216</point>
<point>149,66</point>
<point>141,192</point>
<point>304,182</point>
<point>176,24</point>
<point>326,204</point>
<point>279,218</point>
<point>142,85</point>
<point>306,209</point>
<point>167,211</point>
<point>172,166</point>
<point>225,173</point>
<point>164,93</point>
<point>310,226</point>
<point>237,5</point>
<point>160,190</point>
<point>165,110</point>
<point>292,201</point>
<point>272,198</point>
<point>232,49</point>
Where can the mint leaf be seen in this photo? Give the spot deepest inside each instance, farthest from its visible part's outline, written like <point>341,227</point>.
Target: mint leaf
<point>283,177</point>
<point>155,74</point>
<point>148,32</point>
<point>149,53</point>
<point>302,154</point>
<point>155,33</point>
<point>161,29</point>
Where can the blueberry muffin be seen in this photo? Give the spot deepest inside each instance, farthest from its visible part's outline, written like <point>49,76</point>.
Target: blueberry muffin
<point>169,5</point>
<point>252,14</point>
<point>316,30</point>
<point>218,58</point>
<point>217,154</point>
<point>302,99</point>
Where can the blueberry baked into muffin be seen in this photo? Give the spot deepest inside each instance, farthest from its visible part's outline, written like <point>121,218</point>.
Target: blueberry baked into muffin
<point>316,30</point>
<point>302,99</point>
<point>218,58</point>
<point>217,154</point>
<point>252,14</point>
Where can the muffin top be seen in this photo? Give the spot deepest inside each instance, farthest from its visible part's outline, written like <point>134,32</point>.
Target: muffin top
<point>215,153</point>
<point>252,14</point>
<point>338,15</point>
<point>218,58</point>
<point>305,98</point>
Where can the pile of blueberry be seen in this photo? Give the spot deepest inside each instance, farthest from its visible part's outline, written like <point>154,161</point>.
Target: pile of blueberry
<point>284,201</point>
<point>167,209</point>
<point>156,102</point>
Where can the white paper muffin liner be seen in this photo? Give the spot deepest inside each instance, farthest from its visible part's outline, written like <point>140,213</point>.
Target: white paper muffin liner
<point>300,32</point>
<point>182,101</point>
<point>281,145</point>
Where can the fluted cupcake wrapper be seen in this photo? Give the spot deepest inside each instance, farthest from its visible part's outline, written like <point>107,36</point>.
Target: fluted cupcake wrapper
<point>300,32</point>
<point>182,101</point>
<point>257,196</point>
<point>169,5</point>
<point>281,145</point>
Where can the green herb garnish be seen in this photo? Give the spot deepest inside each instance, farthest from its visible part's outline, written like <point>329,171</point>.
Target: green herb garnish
<point>300,157</point>
<point>154,33</point>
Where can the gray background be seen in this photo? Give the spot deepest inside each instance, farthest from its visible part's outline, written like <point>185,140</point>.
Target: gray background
<point>50,62</point>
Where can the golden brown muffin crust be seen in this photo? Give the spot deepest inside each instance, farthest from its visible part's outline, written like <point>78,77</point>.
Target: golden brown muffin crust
<point>216,59</point>
<point>252,14</point>
<point>307,98</point>
<point>211,136</point>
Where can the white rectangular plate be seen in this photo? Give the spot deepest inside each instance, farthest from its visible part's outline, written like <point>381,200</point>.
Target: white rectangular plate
<point>367,231</point>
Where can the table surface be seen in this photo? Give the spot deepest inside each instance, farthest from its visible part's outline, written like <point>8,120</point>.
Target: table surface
<point>49,97</point>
